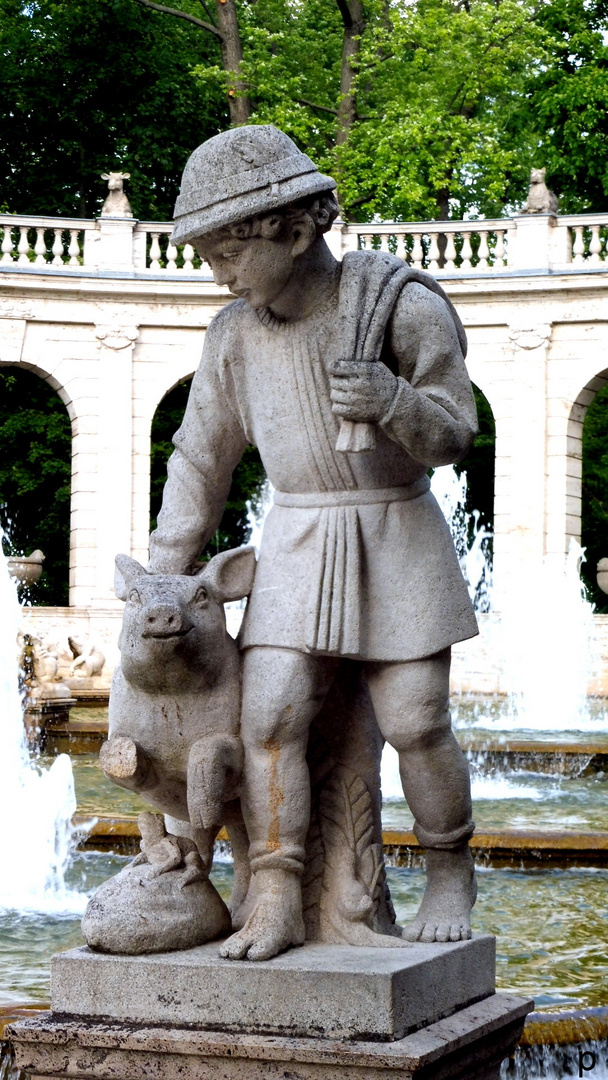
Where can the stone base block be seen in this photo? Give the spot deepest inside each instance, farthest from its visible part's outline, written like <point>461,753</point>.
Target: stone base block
<point>468,1045</point>
<point>320,991</point>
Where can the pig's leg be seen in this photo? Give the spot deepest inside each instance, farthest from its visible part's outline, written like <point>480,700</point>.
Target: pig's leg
<point>124,762</point>
<point>214,767</point>
<point>283,691</point>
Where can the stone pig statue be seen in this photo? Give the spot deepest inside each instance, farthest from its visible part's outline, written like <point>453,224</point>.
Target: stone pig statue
<point>175,701</point>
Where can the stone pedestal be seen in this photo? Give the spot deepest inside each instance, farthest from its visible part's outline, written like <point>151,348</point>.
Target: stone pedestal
<point>321,1012</point>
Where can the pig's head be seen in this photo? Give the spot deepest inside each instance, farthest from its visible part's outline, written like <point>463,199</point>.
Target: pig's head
<point>173,635</point>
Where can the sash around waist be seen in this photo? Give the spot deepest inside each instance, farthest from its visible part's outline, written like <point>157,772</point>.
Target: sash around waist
<point>363,497</point>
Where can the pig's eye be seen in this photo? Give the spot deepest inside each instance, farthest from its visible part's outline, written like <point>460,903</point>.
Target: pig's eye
<point>134,597</point>
<point>201,596</point>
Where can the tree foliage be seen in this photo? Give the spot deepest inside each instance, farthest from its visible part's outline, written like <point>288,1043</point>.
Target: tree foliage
<point>92,85</point>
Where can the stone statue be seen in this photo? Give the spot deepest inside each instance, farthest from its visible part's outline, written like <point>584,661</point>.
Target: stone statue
<point>540,200</point>
<point>88,658</point>
<point>350,379</point>
<point>116,204</point>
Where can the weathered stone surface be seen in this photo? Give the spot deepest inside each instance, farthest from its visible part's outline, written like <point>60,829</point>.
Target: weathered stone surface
<point>142,911</point>
<point>466,1046</point>
<point>327,991</point>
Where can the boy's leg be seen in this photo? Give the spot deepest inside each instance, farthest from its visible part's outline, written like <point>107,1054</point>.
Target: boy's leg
<point>411,705</point>
<point>283,691</point>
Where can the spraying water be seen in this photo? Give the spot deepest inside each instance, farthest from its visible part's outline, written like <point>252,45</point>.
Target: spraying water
<point>36,805</point>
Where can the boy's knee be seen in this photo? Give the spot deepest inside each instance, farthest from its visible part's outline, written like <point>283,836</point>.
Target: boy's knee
<point>419,726</point>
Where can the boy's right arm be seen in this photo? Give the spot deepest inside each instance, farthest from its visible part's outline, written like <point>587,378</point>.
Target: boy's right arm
<point>208,447</point>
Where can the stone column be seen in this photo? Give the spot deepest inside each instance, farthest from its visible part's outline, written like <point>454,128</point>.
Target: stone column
<point>520,495</point>
<point>114,455</point>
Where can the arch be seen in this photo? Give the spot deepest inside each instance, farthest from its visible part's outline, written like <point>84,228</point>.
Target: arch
<point>479,463</point>
<point>247,481</point>
<point>588,422</point>
<point>36,435</point>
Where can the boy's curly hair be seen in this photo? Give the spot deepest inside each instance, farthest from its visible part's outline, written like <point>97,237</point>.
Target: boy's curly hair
<point>322,208</point>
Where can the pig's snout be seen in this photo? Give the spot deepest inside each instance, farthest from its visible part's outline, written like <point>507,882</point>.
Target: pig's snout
<point>165,620</point>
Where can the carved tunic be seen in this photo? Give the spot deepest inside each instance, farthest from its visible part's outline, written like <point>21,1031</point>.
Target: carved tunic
<point>356,557</point>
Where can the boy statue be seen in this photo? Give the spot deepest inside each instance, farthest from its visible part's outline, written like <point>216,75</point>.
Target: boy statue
<point>350,379</point>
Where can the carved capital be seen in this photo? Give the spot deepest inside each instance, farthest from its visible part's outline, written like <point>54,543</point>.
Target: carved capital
<point>116,337</point>
<point>530,337</point>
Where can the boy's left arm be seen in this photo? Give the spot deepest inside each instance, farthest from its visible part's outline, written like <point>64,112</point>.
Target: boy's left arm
<point>428,408</point>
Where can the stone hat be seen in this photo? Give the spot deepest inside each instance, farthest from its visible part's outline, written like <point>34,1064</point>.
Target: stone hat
<point>242,172</point>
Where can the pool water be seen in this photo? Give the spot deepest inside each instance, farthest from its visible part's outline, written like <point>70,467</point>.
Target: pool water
<point>551,926</point>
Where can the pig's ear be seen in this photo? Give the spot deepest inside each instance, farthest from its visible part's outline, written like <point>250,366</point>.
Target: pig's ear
<point>230,574</point>
<point>126,573</point>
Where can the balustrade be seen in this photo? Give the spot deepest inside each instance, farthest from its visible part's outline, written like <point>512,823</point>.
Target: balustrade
<point>578,241</point>
<point>450,246</point>
<point>41,241</point>
<point>163,256</point>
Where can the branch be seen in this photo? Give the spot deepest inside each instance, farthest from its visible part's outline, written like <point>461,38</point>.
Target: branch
<point>183,15</point>
<point>207,12</point>
<point>347,18</point>
<point>313,105</point>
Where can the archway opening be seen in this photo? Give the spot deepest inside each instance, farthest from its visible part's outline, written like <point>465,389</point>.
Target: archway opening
<point>247,480</point>
<point>479,465</point>
<point>594,506</point>
<point>35,478</point>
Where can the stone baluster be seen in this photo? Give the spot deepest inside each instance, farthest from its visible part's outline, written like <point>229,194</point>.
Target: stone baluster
<point>40,248</point>
<point>578,246</point>
<point>74,248</point>
<point>499,250</point>
<point>450,252</point>
<point>366,241</point>
<point>188,257</point>
<point>401,251</point>
<point>171,256</point>
<point>417,251</point>
<point>57,248</point>
<point>434,252</point>
<point>7,245</point>
<point>384,245</point>
<point>23,246</point>
<point>155,252</point>
<point>483,251</point>
<point>467,251</point>
<point>595,246</point>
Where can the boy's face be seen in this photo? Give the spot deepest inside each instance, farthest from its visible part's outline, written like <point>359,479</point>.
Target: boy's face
<point>256,269</point>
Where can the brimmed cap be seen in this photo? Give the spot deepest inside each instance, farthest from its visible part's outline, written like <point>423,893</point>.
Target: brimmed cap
<point>242,172</point>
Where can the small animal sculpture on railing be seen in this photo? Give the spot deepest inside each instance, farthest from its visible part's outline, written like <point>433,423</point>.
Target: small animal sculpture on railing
<point>116,204</point>
<point>540,200</point>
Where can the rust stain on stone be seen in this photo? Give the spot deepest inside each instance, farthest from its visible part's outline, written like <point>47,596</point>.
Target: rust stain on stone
<point>276,797</point>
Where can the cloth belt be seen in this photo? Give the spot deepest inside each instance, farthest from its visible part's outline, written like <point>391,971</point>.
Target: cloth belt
<point>333,620</point>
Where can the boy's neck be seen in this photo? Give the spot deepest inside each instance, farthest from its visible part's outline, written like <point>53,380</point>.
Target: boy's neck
<point>314,278</point>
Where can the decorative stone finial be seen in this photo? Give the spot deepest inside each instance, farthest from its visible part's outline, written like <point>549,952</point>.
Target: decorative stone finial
<point>540,200</point>
<point>116,204</point>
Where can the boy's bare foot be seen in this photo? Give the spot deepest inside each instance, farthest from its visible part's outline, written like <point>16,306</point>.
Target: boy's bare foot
<point>276,921</point>
<point>451,891</point>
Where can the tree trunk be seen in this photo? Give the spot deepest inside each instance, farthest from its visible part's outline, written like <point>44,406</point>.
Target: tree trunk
<point>232,55</point>
<point>354,24</point>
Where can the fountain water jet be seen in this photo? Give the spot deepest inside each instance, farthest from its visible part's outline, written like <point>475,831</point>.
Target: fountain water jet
<point>36,804</point>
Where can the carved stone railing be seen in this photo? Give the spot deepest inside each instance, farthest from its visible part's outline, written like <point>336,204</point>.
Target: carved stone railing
<point>521,243</point>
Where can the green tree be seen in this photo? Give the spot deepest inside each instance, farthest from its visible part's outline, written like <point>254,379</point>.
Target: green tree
<point>35,469</point>
<point>247,481</point>
<point>92,85</point>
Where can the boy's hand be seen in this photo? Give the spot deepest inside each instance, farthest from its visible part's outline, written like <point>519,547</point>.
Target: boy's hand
<point>362,391</point>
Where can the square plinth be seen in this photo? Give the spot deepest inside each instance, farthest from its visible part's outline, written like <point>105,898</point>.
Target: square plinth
<point>319,990</point>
